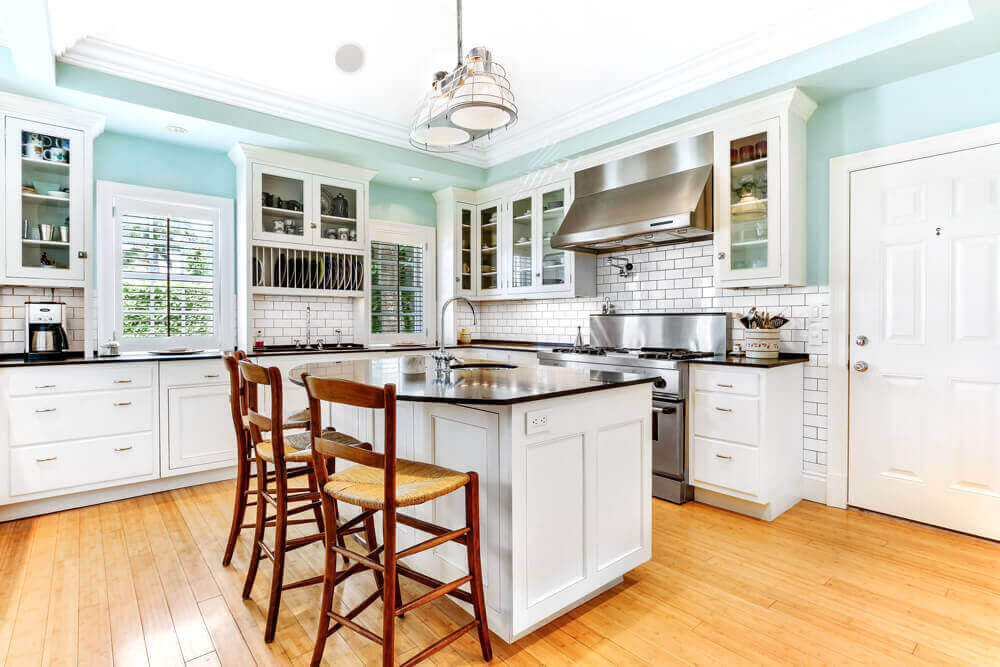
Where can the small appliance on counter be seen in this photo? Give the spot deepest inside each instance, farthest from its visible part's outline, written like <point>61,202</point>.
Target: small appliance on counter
<point>44,334</point>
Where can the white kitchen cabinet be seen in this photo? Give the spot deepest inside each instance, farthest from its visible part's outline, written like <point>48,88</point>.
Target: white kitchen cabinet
<point>48,201</point>
<point>195,426</point>
<point>760,181</point>
<point>746,437</point>
<point>489,262</point>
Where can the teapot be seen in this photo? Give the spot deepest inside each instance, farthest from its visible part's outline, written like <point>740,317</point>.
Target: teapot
<point>338,206</point>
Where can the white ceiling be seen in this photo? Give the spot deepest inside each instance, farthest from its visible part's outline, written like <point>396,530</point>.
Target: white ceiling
<point>573,64</point>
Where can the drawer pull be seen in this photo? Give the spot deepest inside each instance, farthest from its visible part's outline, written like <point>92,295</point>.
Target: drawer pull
<point>123,404</point>
<point>123,449</point>
<point>45,410</point>
<point>723,457</point>
<point>45,386</point>
<point>215,375</point>
<point>724,386</point>
<point>50,458</point>
<point>123,381</point>
<point>724,409</point>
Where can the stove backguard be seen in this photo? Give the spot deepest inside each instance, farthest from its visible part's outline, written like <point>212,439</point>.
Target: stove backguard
<point>704,332</point>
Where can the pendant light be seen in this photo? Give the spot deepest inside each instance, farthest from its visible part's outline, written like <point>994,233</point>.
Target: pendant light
<point>470,103</point>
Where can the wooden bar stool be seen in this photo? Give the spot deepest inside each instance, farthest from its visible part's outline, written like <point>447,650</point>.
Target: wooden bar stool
<point>278,451</point>
<point>381,482</point>
<point>245,454</point>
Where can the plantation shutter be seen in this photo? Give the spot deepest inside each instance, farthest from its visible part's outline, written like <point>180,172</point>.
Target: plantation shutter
<point>168,277</point>
<point>397,285</point>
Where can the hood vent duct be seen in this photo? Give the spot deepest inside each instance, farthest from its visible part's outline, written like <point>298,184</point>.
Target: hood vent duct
<point>659,197</point>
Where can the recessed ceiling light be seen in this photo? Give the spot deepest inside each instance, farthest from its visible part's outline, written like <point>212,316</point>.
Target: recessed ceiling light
<point>416,179</point>
<point>177,129</point>
<point>349,58</point>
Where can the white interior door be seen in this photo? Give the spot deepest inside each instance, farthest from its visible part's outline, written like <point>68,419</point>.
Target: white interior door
<point>925,293</point>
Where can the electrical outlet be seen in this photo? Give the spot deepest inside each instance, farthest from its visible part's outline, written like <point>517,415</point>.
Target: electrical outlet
<point>537,422</point>
<point>816,333</point>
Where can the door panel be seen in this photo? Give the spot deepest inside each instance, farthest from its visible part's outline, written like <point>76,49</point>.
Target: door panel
<point>925,291</point>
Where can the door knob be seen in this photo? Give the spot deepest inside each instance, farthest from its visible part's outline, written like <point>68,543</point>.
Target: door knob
<point>860,366</point>
<point>861,341</point>
<point>722,255</point>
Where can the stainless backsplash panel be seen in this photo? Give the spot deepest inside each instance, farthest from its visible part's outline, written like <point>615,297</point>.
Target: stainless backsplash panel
<point>702,332</point>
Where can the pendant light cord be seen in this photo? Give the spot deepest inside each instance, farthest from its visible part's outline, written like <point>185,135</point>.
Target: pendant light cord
<point>459,31</point>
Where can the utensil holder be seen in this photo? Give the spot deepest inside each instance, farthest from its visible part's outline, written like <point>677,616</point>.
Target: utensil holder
<point>46,231</point>
<point>762,343</point>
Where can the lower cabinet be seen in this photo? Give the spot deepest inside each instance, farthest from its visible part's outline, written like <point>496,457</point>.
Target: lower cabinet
<point>746,437</point>
<point>196,429</point>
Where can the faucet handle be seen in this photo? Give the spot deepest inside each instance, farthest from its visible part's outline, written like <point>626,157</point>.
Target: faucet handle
<point>297,342</point>
<point>319,343</point>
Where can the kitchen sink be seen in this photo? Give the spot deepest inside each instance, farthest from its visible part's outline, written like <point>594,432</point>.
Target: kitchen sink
<point>482,367</point>
<point>327,347</point>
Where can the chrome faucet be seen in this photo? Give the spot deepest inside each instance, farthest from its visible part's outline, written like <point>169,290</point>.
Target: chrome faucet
<point>441,355</point>
<point>608,308</point>
<point>308,327</point>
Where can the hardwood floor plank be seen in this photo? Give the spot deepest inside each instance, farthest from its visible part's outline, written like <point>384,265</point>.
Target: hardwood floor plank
<point>94,623</point>
<point>15,548</point>
<point>230,647</point>
<point>61,643</point>
<point>127,639</point>
<point>28,637</point>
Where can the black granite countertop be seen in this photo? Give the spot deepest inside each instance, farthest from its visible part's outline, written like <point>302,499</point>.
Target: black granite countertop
<point>495,387</point>
<point>784,359</point>
<point>512,346</point>
<point>18,360</point>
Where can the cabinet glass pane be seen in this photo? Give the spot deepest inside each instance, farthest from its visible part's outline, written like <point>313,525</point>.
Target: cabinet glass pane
<point>281,205</point>
<point>553,261</point>
<point>521,244</point>
<point>748,202</point>
<point>488,251</point>
<point>466,233</point>
<point>338,212</point>
<point>45,198</point>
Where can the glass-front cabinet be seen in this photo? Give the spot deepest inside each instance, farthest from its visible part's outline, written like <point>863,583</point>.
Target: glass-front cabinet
<point>748,236</point>
<point>520,245</point>
<point>464,265</point>
<point>46,183</point>
<point>488,248</point>
<point>553,203</point>
<point>294,207</point>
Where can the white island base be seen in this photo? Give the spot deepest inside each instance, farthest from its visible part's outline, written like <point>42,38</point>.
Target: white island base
<point>565,507</point>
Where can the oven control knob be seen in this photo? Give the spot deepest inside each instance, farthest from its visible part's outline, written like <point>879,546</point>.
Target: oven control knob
<point>660,383</point>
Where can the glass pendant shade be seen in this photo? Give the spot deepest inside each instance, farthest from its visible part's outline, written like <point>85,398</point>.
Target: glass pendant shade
<point>441,136</point>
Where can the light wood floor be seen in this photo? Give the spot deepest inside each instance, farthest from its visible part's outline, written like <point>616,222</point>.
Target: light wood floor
<point>140,581</point>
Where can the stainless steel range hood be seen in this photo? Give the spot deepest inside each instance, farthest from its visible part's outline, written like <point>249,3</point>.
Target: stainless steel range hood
<point>659,197</point>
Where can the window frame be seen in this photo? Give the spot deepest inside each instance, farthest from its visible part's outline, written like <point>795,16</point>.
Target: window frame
<point>405,234</point>
<point>112,199</point>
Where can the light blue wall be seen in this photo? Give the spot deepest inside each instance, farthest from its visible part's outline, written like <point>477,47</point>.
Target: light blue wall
<point>157,164</point>
<point>396,204</point>
<point>946,100</point>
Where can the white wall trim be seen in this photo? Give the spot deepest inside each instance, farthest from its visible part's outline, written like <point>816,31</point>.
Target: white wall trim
<point>108,194</point>
<point>841,169</point>
<point>245,153</point>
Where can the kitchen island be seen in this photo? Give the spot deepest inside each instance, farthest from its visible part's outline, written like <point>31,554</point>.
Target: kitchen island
<point>564,461</point>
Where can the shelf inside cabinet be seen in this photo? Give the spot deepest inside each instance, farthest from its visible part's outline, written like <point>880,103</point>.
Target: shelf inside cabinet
<point>748,165</point>
<point>45,200</point>
<point>739,244</point>
<point>45,166</point>
<point>281,211</point>
<point>523,218</point>
<point>745,204</point>
<point>335,218</point>
<point>52,244</point>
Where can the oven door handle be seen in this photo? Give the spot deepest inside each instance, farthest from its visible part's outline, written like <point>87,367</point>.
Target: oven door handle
<point>668,411</point>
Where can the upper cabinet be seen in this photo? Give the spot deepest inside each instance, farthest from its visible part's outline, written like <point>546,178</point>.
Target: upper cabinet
<point>502,246</point>
<point>47,192</point>
<point>760,167</point>
<point>303,208</point>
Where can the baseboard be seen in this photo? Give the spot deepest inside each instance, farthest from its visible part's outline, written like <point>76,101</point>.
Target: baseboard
<point>72,501</point>
<point>814,487</point>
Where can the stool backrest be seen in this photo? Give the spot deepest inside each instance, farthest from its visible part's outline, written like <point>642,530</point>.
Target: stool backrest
<point>256,376</point>
<point>357,395</point>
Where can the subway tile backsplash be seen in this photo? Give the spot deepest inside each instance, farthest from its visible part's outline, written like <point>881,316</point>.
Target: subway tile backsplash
<point>678,279</point>
<point>282,319</point>
<point>12,299</point>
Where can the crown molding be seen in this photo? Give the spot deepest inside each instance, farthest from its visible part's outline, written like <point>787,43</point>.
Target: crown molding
<point>244,153</point>
<point>103,56</point>
<point>52,113</point>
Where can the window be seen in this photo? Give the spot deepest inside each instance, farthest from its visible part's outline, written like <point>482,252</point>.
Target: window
<point>401,285</point>
<point>164,268</point>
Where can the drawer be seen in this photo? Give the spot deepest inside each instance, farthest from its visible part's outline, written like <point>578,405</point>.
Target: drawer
<point>202,371</point>
<point>734,418</point>
<point>726,465</point>
<point>68,464</point>
<point>35,419</point>
<point>726,382</point>
<point>84,377</point>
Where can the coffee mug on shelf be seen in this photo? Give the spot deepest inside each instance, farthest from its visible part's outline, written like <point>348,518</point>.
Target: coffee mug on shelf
<point>278,226</point>
<point>55,154</point>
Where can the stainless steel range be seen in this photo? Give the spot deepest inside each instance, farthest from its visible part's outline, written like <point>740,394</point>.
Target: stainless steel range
<point>662,343</point>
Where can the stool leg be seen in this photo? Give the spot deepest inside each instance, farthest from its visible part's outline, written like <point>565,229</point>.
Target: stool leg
<point>258,531</point>
<point>239,508</point>
<point>389,587</point>
<point>372,541</point>
<point>317,510</point>
<point>475,566</point>
<point>280,537</point>
<point>326,603</point>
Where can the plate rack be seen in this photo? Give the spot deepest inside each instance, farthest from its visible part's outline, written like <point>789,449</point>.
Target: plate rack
<point>275,270</point>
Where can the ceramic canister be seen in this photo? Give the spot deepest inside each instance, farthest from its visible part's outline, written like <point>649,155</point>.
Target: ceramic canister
<point>762,343</point>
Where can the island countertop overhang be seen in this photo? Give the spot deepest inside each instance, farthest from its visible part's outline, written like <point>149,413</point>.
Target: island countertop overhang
<point>472,387</point>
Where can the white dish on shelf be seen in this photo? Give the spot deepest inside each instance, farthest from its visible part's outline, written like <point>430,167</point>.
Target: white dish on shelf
<point>58,193</point>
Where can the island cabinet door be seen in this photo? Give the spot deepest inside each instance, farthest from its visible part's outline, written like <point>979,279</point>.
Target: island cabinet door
<point>464,439</point>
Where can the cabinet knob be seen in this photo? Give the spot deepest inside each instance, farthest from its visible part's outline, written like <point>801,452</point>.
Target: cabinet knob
<point>861,341</point>
<point>860,366</point>
<point>722,255</point>
<point>313,226</point>
<point>538,275</point>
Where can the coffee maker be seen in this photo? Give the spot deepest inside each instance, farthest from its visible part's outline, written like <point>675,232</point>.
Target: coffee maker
<point>44,335</point>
